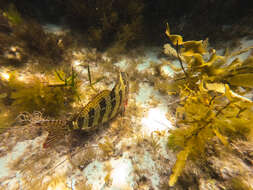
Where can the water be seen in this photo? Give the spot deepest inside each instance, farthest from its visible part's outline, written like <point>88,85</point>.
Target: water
<point>175,124</point>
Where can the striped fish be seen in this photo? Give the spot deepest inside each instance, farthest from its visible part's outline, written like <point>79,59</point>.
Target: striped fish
<point>102,108</point>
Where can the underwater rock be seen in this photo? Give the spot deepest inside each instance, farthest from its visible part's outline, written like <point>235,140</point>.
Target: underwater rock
<point>223,170</point>
<point>208,184</point>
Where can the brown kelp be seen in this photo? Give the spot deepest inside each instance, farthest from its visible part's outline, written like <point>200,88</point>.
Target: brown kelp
<point>211,88</point>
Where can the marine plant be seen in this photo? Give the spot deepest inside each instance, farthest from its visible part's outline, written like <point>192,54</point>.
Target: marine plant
<point>107,147</point>
<point>39,44</point>
<point>36,93</point>
<point>90,80</point>
<point>108,169</point>
<point>13,15</point>
<point>65,80</point>
<point>239,184</point>
<point>213,103</point>
<point>106,22</point>
<point>10,54</point>
<point>154,142</point>
<point>81,158</point>
<point>27,38</point>
<point>5,117</point>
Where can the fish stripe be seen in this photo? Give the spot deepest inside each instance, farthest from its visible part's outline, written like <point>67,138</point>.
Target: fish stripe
<point>113,102</point>
<point>120,101</point>
<point>97,114</point>
<point>80,122</point>
<point>117,104</point>
<point>125,90</point>
<point>102,105</point>
<point>91,115</point>
<point>93,104</point>
<point>52,122</point>
<point>108,108</point>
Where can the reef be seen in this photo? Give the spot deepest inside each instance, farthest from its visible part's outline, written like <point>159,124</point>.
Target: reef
<point>187,123</point>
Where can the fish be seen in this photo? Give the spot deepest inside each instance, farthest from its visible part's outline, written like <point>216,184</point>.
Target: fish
<point>104,107</point>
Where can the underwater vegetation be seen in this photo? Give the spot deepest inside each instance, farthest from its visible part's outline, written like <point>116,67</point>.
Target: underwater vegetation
<point>126,23</point>
<point>50,95</point>
<point>37,43</point>
<point>213,102</point>
<point>24,41</point>
<point>102,23</point>
<point>8,50</point>
<point>13,15</point>
<point>26,38</point>
<point>107,147</point>
<point>106,22</point>
<point>212,91</point>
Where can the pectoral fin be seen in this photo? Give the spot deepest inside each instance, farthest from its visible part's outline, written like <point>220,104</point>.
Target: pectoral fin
<point>54,135</point>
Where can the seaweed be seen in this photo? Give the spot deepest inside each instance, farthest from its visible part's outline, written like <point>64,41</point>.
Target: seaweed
<point>13,15</point>
<point>82,185</point>
<point>211,105</point>
<point>45,47</point>
<point>10,54</point>
<point>108,168</point>
<point>239,184</point>
<point>36,93</point>
<point>106,22</point>
<point>25,38</point>
<point>56,181</point>
<point>154,142</point>
<point>107,147</point>
<point>65,80</point>
<point>81,158</point>
<point>4,23</point>
<point>5,118</point>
